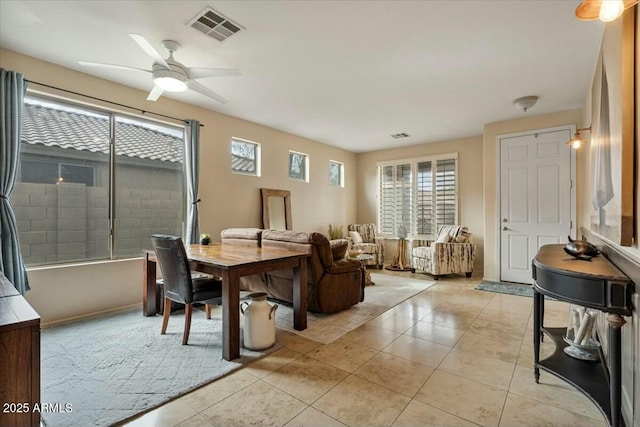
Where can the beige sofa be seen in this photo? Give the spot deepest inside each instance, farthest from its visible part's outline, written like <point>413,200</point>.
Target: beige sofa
<point>334,283</point>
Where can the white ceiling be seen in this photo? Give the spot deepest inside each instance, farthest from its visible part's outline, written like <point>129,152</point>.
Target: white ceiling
<point>345,73</point>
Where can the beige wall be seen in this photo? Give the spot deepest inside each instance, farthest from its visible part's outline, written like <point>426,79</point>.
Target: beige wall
<point>491,132</point>
<point>631,331</point>
<point>469,191</point>
<point>67,292</point>
<point>228,200</point>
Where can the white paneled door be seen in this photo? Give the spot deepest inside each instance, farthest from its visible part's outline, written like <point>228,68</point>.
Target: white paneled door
<point>535,198</point>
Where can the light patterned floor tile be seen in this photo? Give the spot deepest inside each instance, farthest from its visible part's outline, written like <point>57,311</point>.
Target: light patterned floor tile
<point>343,354</point>
<point>212,393</point>
<point>459,321</point>
<point>426,352</point>
<point>305,378</point>
<point>371,336</point>
<point>552,391</point>
<point>420,414</point>
<point>398,374</point>
<point>492,329</point>
<point>479,368</point>
<point>471,400</point>
<point>311,417</point>
<point>295,342</point>
<point>392,322</point>
<point>522,412</point>
<point>436,333</point>
<point>502,348</point>
<point>357,402</point>
<point>268,364</point>
<point>257,404</point>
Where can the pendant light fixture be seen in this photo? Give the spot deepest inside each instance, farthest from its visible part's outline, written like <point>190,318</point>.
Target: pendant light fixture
<point>604,10</point>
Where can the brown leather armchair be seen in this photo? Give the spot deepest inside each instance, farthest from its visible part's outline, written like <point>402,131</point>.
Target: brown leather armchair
<point>333,283</point>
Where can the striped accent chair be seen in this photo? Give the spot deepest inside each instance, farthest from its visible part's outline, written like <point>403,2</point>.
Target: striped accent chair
<point>452,252</point>
<point>370,244</point>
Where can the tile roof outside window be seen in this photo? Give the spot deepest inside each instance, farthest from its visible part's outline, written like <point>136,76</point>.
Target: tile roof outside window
<point>41,126</point>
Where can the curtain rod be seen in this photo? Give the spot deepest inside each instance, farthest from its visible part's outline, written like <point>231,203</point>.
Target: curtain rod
<point>107,101</point>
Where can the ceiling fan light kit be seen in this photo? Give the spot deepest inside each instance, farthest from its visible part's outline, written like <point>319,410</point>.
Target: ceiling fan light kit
<point>525,102</point>
<point>172,80</point>
<point>604,10</point>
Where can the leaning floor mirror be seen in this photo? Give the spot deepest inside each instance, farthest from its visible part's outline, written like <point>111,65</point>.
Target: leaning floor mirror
<point>276,209</point>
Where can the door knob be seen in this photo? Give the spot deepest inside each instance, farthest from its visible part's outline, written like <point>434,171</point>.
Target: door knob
<point>504,220</point>
<point>505,228</point>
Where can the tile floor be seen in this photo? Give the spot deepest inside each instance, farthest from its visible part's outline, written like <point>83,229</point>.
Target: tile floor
<point>449,356</point>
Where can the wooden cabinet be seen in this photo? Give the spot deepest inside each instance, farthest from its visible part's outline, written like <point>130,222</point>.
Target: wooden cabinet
<point>19,358</point>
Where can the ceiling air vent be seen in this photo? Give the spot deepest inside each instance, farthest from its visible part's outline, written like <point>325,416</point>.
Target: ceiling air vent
<point>400,135</point>
<point>215,25</point>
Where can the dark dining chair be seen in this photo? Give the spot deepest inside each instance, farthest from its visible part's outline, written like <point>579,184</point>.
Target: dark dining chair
<point>179,286</point>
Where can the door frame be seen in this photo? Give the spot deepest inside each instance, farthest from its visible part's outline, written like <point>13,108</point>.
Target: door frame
<point>572,162</point>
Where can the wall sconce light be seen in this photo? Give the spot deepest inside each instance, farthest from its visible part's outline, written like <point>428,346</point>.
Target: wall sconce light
<point>604,10</point>
<point>578,140</point>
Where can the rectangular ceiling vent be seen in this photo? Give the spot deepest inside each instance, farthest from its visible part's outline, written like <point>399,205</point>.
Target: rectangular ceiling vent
<point>215,25</point>
<point>400,135</point>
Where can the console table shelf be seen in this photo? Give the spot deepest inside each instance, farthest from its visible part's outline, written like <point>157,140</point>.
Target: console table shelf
<point>596,284</point>
<point>588,377</point>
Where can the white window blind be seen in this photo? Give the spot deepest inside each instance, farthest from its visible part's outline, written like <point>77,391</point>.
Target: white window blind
<point>420,194</point>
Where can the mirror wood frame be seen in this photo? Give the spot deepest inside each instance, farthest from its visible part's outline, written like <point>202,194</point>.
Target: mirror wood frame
<point>286,195</point>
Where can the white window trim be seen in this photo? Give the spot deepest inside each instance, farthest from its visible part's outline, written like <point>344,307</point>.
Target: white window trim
<point>258,160</point>
<point>414,161</point>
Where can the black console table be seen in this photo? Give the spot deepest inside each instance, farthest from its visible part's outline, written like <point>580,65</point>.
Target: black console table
<point>595,284</point>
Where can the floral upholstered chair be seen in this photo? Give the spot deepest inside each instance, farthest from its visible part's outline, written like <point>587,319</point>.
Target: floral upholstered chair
<point>363,237</point>
<point>451,253</point>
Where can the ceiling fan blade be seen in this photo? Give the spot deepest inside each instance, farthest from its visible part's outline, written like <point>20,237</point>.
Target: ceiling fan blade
<point>201,73</point>
<point>194,85</point>
<point>119,67</point>
<point>149,50</point>
<point>155,93</point>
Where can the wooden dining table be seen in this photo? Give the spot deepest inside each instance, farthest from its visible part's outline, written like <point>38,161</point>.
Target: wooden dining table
<point>230,262</point>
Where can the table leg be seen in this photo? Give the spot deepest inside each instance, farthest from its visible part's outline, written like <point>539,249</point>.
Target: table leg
<point>615,341</point>
<point>149,307</point>
<point>230,315</point>
<point>300,295</point>
<point>536,333</point>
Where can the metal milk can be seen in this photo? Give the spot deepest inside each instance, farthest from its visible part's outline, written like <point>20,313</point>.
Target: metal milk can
<point>259,322</point>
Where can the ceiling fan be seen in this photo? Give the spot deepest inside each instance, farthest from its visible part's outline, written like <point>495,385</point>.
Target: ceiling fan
<point>170,75</point>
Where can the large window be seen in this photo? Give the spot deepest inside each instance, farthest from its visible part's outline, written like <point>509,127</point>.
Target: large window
<point>66,208</point>
<point>420,194</point>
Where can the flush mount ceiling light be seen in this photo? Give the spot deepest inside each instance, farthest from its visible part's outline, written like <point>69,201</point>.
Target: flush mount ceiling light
<point>577,140</point>
<point>604,10</point>
<point>525,102</point>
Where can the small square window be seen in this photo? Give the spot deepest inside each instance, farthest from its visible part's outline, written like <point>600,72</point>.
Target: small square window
<point>336,173</point>
<point>245,157</point>
<point>298,166</point>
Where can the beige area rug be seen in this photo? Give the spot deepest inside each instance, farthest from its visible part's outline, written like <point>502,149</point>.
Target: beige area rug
<point>388,292</point>
<point>110,368</point>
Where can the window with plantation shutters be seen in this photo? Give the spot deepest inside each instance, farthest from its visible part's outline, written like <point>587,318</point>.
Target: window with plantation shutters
<point>446,197</point>
<point>420,194</point>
